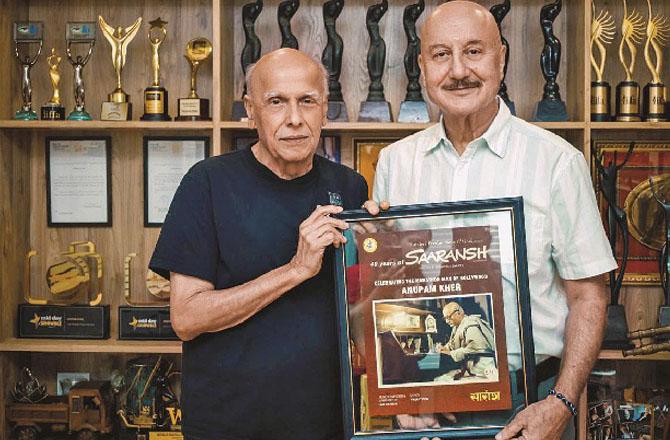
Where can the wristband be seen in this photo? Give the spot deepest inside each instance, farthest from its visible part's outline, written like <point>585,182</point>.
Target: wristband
<point>565,400</point>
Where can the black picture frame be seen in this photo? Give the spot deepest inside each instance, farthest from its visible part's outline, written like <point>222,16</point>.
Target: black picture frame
<point>145,167</point>
<point>464,210</point>
<point>108,175</point>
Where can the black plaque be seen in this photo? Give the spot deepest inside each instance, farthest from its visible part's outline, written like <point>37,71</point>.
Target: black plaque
<point>63,322</point>
<point>145,323</point>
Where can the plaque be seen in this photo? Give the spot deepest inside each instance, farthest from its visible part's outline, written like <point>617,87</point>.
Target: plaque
<point>79,34</point>
<point>655,93</point>
<point>413,108</point>
<point>53,110</point>
<point>195,108</point>
<point>26,35</point>
<point>332,60</point>
<point>78,174</point>
<point>628,91</point>
<point>602,33</point>
<point>166,160</point>
<point>72,310</point>
<point>156,96</point>
<point>251,51</point>
<point>410,283</point>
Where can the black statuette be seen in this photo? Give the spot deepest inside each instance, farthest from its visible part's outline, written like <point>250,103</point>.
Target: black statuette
<point>285,13</point>
<point>332,54</point>
<point>377,51</point>
<point>409,18</point>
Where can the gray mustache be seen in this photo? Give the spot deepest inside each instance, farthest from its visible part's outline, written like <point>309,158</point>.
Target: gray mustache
<point>462,84</point>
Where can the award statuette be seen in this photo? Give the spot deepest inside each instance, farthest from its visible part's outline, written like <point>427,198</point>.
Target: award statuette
<point>413,108</point>
<point>26,34</point>
<point>118,108</point>
<point>145,320</point>
<point>79,33</point>
<point>195,108</point>
<point>628,91</point>
<point>53,110</point>
<point>251,51</point>
<point>375,108</point>
<point>332,60</point>
<point>602,32</point>
<point>75,286</point>
<point>654,93</point>
<point>155,96</point>
<point>285,12</point>
<point>499,12</point>
<point>550,108</point>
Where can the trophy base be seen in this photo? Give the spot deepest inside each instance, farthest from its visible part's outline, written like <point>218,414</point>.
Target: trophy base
<point>63,322</point>
<point>616,333</point>
<point>116,111</point>
<point>155,104</point>
<point>628,101</point>
<point>337,111</point>
<point>653,103</point>
<point>550,110</point>
<point>601,107</point>
<point>146,323</point>
<point>375,111</point>
<point>79,115</point>
<point>664,321</point>
<point>25,115</point>
<point>413,111</point>
<point>239,112</point>
<point>193,109</point>
<point>52,113</point>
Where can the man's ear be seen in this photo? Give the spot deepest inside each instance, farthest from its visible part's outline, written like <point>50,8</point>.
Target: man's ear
<point>324,109</point>
<point>503,53</point>
<point>249,107</point>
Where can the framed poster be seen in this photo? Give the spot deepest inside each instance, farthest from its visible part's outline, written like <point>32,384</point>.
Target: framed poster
<point>329,146</point>
<point>79,181</point>
<point>166,160</point>
<point>645,216</point>
<point>366,152</point>
<point>434,312</point>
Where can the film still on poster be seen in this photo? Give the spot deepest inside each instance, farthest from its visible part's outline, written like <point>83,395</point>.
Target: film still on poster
<point>434,300</point>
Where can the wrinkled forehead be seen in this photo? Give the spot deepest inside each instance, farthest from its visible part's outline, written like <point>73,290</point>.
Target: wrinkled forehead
<point>288,79</point>
<point>460,27</point>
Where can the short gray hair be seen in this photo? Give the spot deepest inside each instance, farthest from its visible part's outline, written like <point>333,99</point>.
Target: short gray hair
<point>323,72</point>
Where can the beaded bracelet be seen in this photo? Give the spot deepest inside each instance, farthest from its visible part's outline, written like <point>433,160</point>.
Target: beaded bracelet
<point>565,400</point>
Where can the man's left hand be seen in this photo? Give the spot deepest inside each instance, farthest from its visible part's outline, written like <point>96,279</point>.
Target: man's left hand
<point>543,420</point>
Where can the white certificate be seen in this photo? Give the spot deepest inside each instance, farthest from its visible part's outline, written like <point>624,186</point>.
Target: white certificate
<point>78,181</point>
<point>166,162</point>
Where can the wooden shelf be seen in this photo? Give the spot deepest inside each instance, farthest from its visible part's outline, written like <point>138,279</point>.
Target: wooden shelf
<point>617,355</point>
<point>395,126</point>
<point>88,346</point>
<point>630,125</point>
<point>107,125</point>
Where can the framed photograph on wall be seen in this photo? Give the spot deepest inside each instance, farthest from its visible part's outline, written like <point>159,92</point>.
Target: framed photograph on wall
<point>166,160</point>
<point>79,181</point>
<point>366,153</point>
<point>411,283</point>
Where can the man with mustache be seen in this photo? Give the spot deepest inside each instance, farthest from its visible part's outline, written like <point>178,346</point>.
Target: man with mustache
<point>479,150</point>
<point>247,246</point>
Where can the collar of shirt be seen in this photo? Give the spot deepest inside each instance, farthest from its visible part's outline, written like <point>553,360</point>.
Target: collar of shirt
<point>495,136</point>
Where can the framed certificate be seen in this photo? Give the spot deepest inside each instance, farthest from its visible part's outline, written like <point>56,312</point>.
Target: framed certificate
<point>79,184</point>
<point>166,160</point>
<point>434,309</point>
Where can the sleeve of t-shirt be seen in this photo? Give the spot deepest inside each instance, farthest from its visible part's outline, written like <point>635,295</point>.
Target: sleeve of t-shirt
<point>580,248</point>
<point>380,187</point>
<point>187,243</point>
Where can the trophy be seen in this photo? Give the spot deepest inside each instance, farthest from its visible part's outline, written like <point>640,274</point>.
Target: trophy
<point>145,320</point>
<point>26,34</point>
<point>602,32</point>
<point>79,33</point>
<point>617,328</point>
<point>195,108</point>
<point>628,91</point>
<point>499,12</point>
<point>285,12</point>
<point>550,108</point>
<point>375,108</point>
<point>251,51</point>
<point>332,60</point>
<point>118,108</point>
<point>413,108</point>
<point>155,96</point>
<point>664,257</point>
<point>73,310</point>
<point>654,93</point>
<point>53,110</point>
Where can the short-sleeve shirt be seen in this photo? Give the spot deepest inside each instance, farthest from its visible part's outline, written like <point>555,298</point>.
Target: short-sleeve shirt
<point>564,232</point>
<point>276,375</point>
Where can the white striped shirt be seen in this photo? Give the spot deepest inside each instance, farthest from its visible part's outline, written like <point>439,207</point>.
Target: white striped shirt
<point>564,233</point>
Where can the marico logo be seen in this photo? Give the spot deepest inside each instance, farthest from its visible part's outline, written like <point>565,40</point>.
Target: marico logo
<point>47,321</point>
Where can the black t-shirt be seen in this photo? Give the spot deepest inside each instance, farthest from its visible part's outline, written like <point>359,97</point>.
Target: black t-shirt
<point>275,376</point>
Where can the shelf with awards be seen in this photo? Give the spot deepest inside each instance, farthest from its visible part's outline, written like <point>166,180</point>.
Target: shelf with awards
<point>111,346</point>
<point>106,125</point>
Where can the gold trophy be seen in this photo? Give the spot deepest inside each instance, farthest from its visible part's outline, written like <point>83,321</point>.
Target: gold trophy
<point>118,108</point>
<point>53,110</point>
<point>602,33</point>
<point>195,108</point>
<point>73,309</point>
<point>155,96</point>
<point>148,320</point>
<point>628,91</point>
<point>654,93</point>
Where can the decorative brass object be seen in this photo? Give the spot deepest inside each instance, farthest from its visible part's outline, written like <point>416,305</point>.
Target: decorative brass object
<point>602,33</point>
<point>628,91</point>
<point>654,96</point>
<point>156,285</point>
<point>195,108</point>
<point>649,348</point>
<point>156,96</point>
<point>53,110</point>
<point>645,215</point>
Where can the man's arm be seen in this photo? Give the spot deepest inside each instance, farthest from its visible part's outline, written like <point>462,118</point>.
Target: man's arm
<point>196,308</point>
<point>584,330</point>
